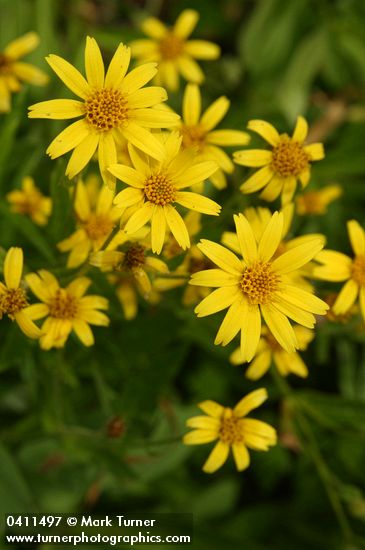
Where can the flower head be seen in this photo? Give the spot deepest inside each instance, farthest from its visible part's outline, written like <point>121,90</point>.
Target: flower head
<point>316,202</point>
<point>259,284</point>
<point>233,431</point>
<point>269,351</point>
<point>13,71</point>
<point>112,103</point>
<point>96,218</point>
<point>13,298</point>
<point>289,160</point>
<point>338,267</point>
<point>174,53</point>
<point>30,201</point>
<point>156,186</point>
<point>199,135</point>
<point>66,309</point>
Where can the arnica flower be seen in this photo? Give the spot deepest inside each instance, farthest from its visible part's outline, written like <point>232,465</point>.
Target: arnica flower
<point>280,168</point>
<point>29,201</point>
<point>338,267</point>
<point>269,351</point>
<point>174,53</point>
<point>258,285</point>
<point>131,266</point>
<point>198,133</point>
<point>13,71</point>
<point>66,309</point>
<point>233,431</point>
<point>13,299</point>
<point>259,218</point>
<point>111,104</point>
<point>158,185</point>
<point>96,218</point>
<point>317,202</point>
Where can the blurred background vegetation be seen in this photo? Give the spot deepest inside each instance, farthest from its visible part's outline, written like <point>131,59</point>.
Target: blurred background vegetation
<point>100,429</point>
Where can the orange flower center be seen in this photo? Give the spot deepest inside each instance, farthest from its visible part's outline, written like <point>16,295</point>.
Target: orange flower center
<point>171,46</point>
<point>4,63</point>
<point>12,301</point>
<point>159,190</point>
<point>134,257</point>
<point>63,305</point>
<point>106,109</point>
<point>193,136</point>
<point>98,227</point>
<point>358,270</point>
<point>230,430</point>
<point>289,157</point>
<point>259,283</point>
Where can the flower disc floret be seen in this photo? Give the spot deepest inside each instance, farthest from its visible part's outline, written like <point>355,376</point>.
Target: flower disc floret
<point>289,157</point>
<point>106,109</point>
<point>63,305</point>
<point>258,283</point>
<point>13,301</point>
<point>231,429</point>
<point>159,190</point>
<point>171,46</point>
<point>135,257</point>
<point>358,270</point>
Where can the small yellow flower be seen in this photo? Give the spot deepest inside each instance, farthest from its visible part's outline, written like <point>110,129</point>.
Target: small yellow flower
<point>13,299</point>
<point>13,71</point>
<point>174,53</point>
<point>130,265</point>
<point>233,431</point>
<point>96,218</point>
<point>113,104</point>
<point>30,201</point>
<point>258,285</point>
<point>338,267</point>
<point>157,186</point>
<point>199,135</point>
<point>66,309</point>
<point>269,351</point>
<point>280,168</point>
<point>316,202</point>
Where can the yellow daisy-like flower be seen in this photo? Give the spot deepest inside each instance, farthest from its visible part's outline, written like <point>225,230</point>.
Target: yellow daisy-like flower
<point>259,218</point>
<point>258,285</point>
<point>13,299</point>
<point>269,351</point>
<point>289,160</point>
<point>113,103</point>
<point>338,267</point>
<point>316,202</point>
<point>198,133</point>
<point>96,218</point>
<point>66,309</point>
<point>174,53</point>
<point>233,431</point>
<point>30,201</point>
<point>157,186</point>
<point>13,71</point>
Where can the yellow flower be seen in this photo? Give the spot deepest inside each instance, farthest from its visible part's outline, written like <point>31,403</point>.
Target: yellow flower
<point>258,285</point>
<point>13,298</point>
<point>280,168</point>
<point>112,104</point>
<point>174,53</point>
<point>132,264</point>
<point>269,351</point>
<point>30,202</point>
<point>259,218</point>
<point>13,71</point>
<point>338,267</point>
<point>157,187</point>
<point>316,202</point>
<point>232,430</point>
<point>66,309</point>
<point>96,218</point>
<point>198,133</point>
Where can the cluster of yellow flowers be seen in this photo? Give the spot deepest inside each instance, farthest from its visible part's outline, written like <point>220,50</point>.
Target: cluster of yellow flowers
<point>262,278</point>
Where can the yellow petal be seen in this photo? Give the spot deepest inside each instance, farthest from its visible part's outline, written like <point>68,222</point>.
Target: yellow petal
<point>68,139</point>
<point>69,75</point>
<point>191,105</point>
<point>221,256</point>
<point>273,189</point>
<point>215,112</point>
<point>197,437</point>
<point>217,457</point>
<point>177,226</point>
<point>258,180</point>
<point>251,401</point>
<point>22,46</point>
<point>169,75</point>
<point>212,408</point>
<point>26,325</point>
<point>154,118</point>
<point>232,322</point>
<point>213,278</point>
<point>36,311</point>
<point>154,28</point>
<point>315,151</point>
<point>118,67</point>
<point>250,332</point>
<point>128,300</point>
<point>202,49</point>
<point>289,185</point>
<point>128,197</point>
<point>194,174</point>
<point>219,299</point>
<point>190,69</point>
<point>82,154</point>
<point>303,299</point>
<point>253,157</point>
<point>228,137</point>
<point>300,130</point>
<point>203,422</point>
<point>357,237</point>
<point>185,23</point>
<point>144,140</point>
<point>94,65</point>
<point>297,257</point>
<point>139,218</point>
<point>241,456</point>
<point>138,77</point>
<point>29,73</point>
<point>346,298</point>
<point>246,239</point>
<point>158,229</point>
<point>107,155</point>
<point>271,237</point>
<point>83,331</point>
<point>128,175</point>
<point>265,130</point>
<point>13,267</point>
<point>259,366</point>
<point>197,202</point>
<point>57,109</point>
<point>280,327</point>
<point>147,97</point>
